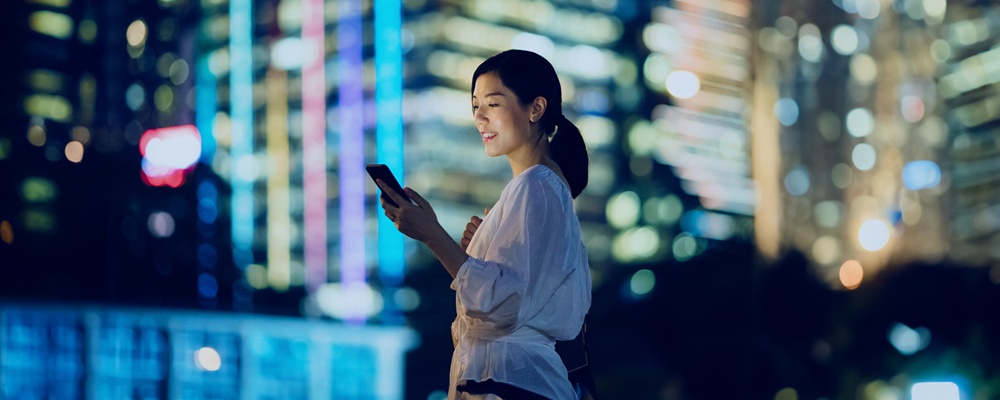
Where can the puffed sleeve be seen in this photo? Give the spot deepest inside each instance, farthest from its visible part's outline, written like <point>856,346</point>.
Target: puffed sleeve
<point>494,288</point>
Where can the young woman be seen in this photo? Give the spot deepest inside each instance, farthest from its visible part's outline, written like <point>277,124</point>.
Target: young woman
<point>521,274</point>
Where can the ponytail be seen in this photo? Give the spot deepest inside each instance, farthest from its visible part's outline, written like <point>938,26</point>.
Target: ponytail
<point>570,152</point>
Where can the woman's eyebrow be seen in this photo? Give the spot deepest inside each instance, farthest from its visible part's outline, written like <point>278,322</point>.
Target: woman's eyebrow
<point>490,94</point>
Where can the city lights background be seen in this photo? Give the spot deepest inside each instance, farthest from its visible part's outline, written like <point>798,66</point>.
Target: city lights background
<point>787,200</point>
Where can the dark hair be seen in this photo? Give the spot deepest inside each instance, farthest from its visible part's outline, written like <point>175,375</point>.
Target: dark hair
<point>529,76</point>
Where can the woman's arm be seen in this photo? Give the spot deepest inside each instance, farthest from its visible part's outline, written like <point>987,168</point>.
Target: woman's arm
<point>419,222</point>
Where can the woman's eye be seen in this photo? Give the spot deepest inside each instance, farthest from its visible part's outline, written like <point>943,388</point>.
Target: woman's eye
<point>474,108</point>
<point>494,105</point>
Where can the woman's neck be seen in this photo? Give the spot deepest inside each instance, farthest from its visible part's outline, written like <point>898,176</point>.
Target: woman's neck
<point>519,165</point>
<point>527,157</point>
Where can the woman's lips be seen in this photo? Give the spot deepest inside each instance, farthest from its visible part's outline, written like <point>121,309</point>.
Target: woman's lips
<point>487,136</point>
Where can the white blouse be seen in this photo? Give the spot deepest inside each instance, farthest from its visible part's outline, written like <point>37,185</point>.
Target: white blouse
<point>525,285</point>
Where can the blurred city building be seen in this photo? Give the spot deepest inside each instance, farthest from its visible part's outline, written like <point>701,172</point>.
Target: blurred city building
<point>873,127</point>
<point>209,154</point>
<point>129,353</point>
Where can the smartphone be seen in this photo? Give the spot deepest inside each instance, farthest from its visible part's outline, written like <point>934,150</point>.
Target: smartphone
<point>381,171</point>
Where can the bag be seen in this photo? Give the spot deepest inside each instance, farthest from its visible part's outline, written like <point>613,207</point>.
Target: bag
<point>576,356</point>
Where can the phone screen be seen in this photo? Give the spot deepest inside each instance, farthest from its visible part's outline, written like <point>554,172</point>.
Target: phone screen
<point>381,171</point>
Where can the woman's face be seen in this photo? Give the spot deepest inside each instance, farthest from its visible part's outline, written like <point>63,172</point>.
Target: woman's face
<point>502,122</point>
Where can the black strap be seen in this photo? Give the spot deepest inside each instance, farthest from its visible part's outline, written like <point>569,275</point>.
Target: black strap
<point>580,374</point>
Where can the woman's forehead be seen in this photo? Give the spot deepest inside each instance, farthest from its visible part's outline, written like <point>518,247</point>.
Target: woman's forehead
<point>489,84</point>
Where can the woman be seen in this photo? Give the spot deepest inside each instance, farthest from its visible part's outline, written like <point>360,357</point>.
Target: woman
<point>521,274</point>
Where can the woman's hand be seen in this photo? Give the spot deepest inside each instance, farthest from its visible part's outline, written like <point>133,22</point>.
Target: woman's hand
<point>470,230</point>
<point>417,221</point>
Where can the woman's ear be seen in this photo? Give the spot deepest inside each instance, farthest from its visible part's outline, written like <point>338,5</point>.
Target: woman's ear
<point>537,109</point>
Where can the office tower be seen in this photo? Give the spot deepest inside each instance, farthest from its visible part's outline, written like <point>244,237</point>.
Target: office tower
<point>689,152</point>
<point>868,148</point>
<point>967,84</point>
<point>87,83</point>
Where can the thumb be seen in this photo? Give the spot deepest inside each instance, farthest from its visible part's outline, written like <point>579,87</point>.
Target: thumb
<point>417,198</point>
<point>487,211</point>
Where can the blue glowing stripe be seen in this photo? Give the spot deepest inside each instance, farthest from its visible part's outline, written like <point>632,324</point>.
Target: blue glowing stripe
<point>206,106</point>
<point>352,148</point>
<point>241,103</point>
<point>389,130</point>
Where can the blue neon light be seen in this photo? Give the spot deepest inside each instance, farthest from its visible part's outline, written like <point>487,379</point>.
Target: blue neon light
<point>241,103</point>
<point>389,129</point>
<point>206,104</point>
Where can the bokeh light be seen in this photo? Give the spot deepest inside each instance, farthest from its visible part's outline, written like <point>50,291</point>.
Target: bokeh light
<point>797,181</point>
<point>844,39</point>
<point>860,122</point>
<point>136,33</point>
<point>207,359</point>
<point>622,210</point>
<point>39,190</point>
<point>336,300</point>
<point>863,156</point>
<point>160,224</point>
<point>74,151</point>
<point>864,69</point>
<point>642,282</point>
<point>935,391</point>
<point>826,250</point>
<point>685,247</point>
<point>907,340</point>
<point>841,175</point>
<point>828,213</point>
<point>407,299</point>
<point>6,232</point>
<point>868,9</point>
<point>787,111</point>
<point>683,84</point>
<point>851,274</point>
<point>873,235</point>
<point>787,394</point>
<point>921,174</point>
<point>5,148</point>
<point>810,43</point>
<point>912,108</point>
<point>51,23</point>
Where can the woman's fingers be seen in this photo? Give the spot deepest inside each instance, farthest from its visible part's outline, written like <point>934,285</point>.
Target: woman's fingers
<point>399,200</point>
<point>417,198</point>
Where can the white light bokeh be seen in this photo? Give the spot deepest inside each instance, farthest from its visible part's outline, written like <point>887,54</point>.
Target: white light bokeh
<point>860,122</point>
<point>863,156</point>
<point>207,359</point>
<point>160,224</point>
<point>935,391</point>
<point>683,84</point>
<point>873,235</point>
<point>622,210</point>
<point>844,39</point>
<point>288,53</point>
<point>811,48</point>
